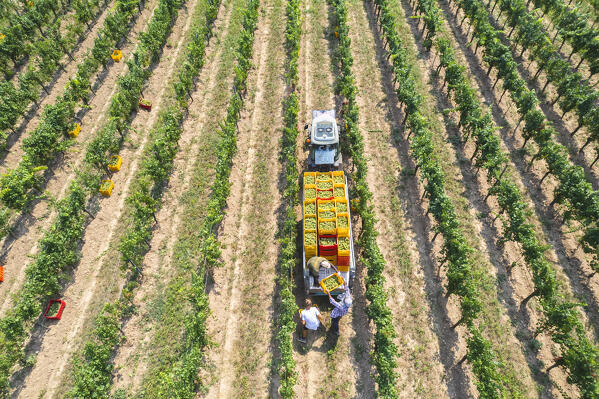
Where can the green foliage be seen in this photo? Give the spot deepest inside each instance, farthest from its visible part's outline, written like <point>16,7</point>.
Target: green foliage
<point>561,319</point>
<point>383,357</point>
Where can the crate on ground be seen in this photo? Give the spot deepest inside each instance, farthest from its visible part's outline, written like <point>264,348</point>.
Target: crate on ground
<point>342,224</point>
<point>54,309</point>
<point>1,274</point>
<point>310,243</point>
<point>327,226</point>
<point>331,282</point>
<point>341,205</point>
<point>75,131</point>
<point>309,178</point>
<point>310,207</point>
<point>338,177</point>
<point>116,55</point>
<point>115,163</point>
<point>310,191</point>
<point>106,188</point>
<point>327,245</point>
<point>339,191</point>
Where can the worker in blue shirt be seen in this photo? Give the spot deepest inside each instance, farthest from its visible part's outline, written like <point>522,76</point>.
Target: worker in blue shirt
<point>341,308</point>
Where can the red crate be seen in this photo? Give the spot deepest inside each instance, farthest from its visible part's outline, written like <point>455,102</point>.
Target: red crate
<point>60,309</point>
<point>342,260</point>
<point>327,250</point>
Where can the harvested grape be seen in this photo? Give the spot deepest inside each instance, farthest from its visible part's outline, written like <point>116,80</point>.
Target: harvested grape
<point>325,194</point>
<point>326,206</point>
<point>330,283</point>
<point>324,185</point>
<point>341,207</point>
<point>339,192</point>
<point>310,223</point>
<point>310,238</point>
<point>326,214</point>
<point>343,243</point>
<point>323,177</point>
<point>328,240</point>
<point>310,208</point>
<point>53,311</point>
<point>326,225</point>
<point>310,193</point>
<point>338,179</point>
<point>309,179</point>
<point>342,221</point>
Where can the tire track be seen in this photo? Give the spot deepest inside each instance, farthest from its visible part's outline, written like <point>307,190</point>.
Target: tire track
<point>157,264</point>
<point>31,228</point>
<point>243,289</point>
<point>54,352</point>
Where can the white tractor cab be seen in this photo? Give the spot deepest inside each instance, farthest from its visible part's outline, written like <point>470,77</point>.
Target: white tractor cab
<point>323,141</point>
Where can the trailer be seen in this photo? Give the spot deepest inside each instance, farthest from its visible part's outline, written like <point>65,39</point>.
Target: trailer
<point>326,205</point>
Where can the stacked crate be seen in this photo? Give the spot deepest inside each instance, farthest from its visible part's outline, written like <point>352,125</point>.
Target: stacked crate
<point>326,218</point>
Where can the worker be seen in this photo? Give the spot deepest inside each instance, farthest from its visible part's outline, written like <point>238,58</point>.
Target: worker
<point>341,308</point>
<point>314,265</point>
<point>311,320</point>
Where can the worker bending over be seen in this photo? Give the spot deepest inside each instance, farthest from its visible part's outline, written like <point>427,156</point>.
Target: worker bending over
<point>314,265</point>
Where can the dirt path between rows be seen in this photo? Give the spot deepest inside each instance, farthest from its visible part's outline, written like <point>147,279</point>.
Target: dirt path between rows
<point>327,366</point>
<point>134,355</point>
<point>241,321</point>
<point>56,87</point>
<point>31,226</point>
<point>86,294</point>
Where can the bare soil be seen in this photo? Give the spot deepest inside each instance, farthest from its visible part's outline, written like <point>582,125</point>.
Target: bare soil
<point>31,225</point>
<point>88,291</point>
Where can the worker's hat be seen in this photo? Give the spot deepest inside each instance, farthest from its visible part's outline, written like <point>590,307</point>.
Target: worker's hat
<point>325,263</point>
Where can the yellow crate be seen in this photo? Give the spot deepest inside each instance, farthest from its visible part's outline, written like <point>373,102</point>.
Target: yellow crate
<point>310,223</point>
<point>324,185</point>
<point>117,55</point>
<point>106,188</point>
<point>324,176</point>
<point>339,191</point>
<point>311,249</point>
<point>335,276</point>
<point>342,231</point>
<point>310,191</point>
<point>309,178</point>
<point>326,205</point>
<point>343,252</point>
<point>75,132</point>
<point>327,231</point>
<point>308,204</point>
<point>115,163</point>
<point>341,205</point>
<point>331,258</point>
<point>326,214</point>
<point>338,177</point>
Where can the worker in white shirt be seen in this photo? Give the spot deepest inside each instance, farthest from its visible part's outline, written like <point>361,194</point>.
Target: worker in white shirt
<point>311,320</point>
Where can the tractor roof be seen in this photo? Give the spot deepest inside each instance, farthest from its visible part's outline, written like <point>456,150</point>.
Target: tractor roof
<point>324,129</point>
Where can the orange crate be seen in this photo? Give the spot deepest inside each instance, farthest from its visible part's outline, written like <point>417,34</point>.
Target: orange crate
<point>309,178</point>
<point>341,205</point>
<point>310,207</point>
<point>1,274</point>
<point>335,277</point>
<point>342,228</point>
<point>339,191</point>
<point>324,226</point>
<point>338,177</point>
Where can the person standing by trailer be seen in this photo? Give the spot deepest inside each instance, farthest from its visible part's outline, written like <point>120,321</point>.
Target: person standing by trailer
<point>311,320</point>
<point>341,308</point>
